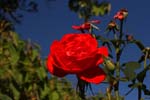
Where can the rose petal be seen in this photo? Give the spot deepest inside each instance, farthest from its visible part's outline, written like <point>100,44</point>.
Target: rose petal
<point>94,75</point>
<point>58,55</point>
<point>104,52</point>
<point>76,27</point>
<point>95,21</point>
<point>53,69</point>
<point>86,26</point>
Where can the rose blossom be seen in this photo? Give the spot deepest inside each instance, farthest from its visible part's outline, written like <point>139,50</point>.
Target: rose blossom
<point>77,54</point>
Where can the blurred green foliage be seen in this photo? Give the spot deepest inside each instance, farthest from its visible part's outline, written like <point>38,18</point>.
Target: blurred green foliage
<point>23,75</point>
<point>88,8</point>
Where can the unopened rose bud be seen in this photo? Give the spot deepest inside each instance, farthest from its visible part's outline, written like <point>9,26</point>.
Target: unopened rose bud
<point>147,52</point>
<point>109,64</point>
<point>129,37</point>
<point>112,25</point>
<point>122,14</point>
<point>125,12</point>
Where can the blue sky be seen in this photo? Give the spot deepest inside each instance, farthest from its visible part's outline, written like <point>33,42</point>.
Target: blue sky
<point>54,19</point>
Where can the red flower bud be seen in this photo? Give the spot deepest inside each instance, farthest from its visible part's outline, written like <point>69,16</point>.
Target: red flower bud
<point>122,14</point>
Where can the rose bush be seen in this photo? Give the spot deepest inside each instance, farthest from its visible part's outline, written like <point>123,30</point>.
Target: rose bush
<point>77,54</point>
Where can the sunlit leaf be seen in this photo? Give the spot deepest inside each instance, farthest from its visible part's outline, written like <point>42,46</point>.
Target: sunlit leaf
<point>55,96</point>
<point>45,91</point>
<point>14,55</point>
<point>16,93</point>
<point>41,73</point>
<point>101,9</point>
<point>34,54</point>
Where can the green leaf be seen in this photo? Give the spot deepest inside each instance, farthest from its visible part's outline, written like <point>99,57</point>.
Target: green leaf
<point>14,55</point>
<point>132,65</point>
<point>16,93</point>
<point>130,68</point>
<point>1,49</point>
<point>101,9</point>
<point>41,72</point>
<point>17,76</point>
<point>141,76</point>
<point>55,96</point>
<point>15,38</point>
<point>34,54</point>
<point>96,10</point>
<point>4,97</point>
<point>45,91</point>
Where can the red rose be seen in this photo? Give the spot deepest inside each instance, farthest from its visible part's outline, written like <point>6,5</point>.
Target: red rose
<point>77,54</point>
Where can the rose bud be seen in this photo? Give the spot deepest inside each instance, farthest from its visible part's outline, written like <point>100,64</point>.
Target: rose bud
<point>129,37</point>
<point>109,64</point>
<point>121,15</point>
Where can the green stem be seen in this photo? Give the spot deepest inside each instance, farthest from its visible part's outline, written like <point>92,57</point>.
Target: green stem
<point>118,62</point>
<point>109,89</point>
<point>117,84</point>
<point>121,29</point>
<point>115,35</point>
<point>109,96</point>
<point>139,93</point>
<point>117,95</point>
<point>145,59</point>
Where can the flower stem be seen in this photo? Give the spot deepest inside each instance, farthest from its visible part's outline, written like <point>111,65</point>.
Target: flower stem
<point>145,59</point>
<point>109,89</point>
<point>117,95</point>
<point>115,35</point>
<point>139,93</point>
<point>81,88</point>
<point>121,29</point>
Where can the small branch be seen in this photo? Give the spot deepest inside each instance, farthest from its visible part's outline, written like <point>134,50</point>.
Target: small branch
<point>109,89</point>
<point>117,90</point>
<point>115,35</point>
<point>145,59</point>
<point>129,91</point>
<point>139,93</point>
